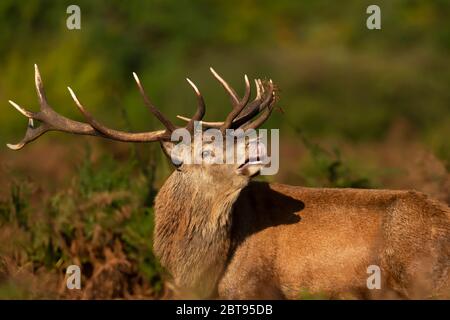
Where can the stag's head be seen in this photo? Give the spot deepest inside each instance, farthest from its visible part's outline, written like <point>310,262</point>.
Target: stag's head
<point>215,150</point>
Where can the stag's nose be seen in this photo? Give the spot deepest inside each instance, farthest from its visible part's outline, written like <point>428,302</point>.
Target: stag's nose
<point>257,150</point>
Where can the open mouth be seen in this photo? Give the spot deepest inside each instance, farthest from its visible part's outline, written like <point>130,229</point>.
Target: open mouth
<point>248,162</point>
<point>246,168</point>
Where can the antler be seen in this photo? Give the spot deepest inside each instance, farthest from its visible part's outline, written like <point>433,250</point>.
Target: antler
<point>52,121</point>
<point>239,117</point>
<point>242,112</point>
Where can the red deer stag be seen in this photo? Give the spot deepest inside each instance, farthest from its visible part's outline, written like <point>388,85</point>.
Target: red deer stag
<point>221,235</point>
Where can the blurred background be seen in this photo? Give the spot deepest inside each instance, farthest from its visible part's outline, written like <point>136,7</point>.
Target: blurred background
<point>359,108</point>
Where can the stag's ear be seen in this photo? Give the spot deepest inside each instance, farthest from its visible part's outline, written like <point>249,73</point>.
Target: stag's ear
<point>250,169</point>
<point>170,151</point>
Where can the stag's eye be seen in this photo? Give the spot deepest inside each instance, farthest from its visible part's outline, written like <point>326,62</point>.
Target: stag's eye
<point>206,154</point>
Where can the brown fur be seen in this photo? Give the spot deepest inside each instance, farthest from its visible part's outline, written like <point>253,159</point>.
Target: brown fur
<point>192,234</point>
<point>259,240</point>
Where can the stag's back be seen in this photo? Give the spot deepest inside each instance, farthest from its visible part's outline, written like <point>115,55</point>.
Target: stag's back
<point>289,239</point>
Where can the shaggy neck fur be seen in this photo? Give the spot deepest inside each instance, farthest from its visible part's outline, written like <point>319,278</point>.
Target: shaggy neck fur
<point>192,229</point>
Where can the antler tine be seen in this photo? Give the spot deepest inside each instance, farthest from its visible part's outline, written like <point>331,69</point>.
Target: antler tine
<point>50,120</point>
<point>31,134</point>
<point>237,108</point>
<point>226,86</point>
<point>205,124</point>
<point>260,120</point>
<point>252,109</point>
<point>268,104</point>
<point>218,124</point>
<point>40,89</point>
<point>201,107</point>
<point>116,134</point>
<point>23,111</point>
<point>257,105</point>
<point>258,89</point>
<point>166,122</point>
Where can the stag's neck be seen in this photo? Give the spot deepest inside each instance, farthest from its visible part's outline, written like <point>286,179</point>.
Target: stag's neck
<point>192,229</point>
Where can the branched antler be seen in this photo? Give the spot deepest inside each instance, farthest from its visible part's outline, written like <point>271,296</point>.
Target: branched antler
<point>239,117</point>
<point>52,121</point>
<point>242,112</point>
<point>49,119</point>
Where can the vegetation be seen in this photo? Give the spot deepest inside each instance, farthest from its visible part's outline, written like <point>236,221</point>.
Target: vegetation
<point>102,222</point>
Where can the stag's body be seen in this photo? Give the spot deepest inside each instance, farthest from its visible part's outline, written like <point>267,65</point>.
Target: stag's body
<point>274,241</point>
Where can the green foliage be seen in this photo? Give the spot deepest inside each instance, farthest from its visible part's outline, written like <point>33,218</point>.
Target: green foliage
<point>11,291</point>
<point>307,295</point>
<point>324,168</point>
<point>101,217</point>
<point>107,176</point>
<point>14,209</point>
<point>135,236</point>
<point>331,167</point>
